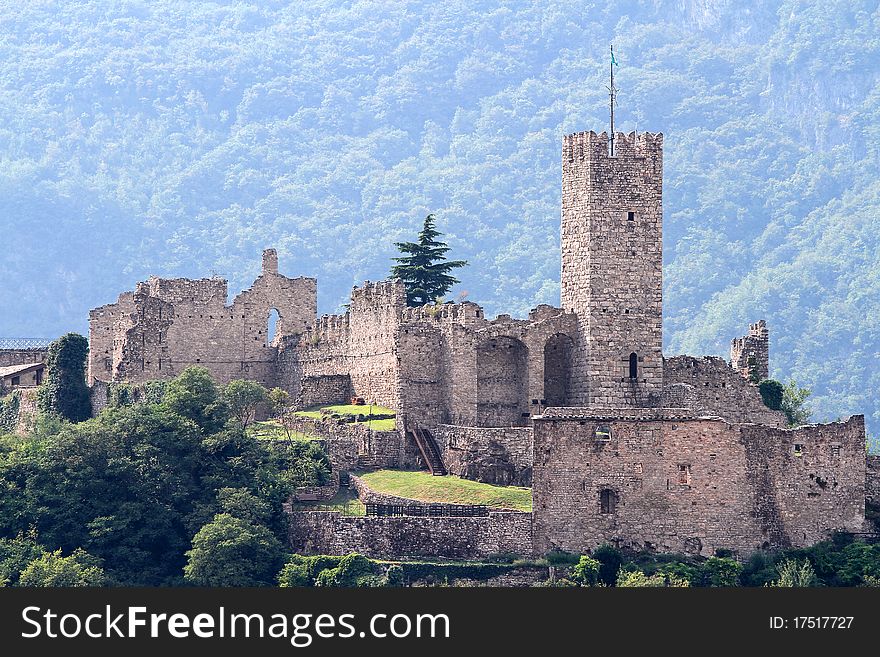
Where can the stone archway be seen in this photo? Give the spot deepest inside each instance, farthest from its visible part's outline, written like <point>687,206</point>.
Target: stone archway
<point>558,352</point>
<point>502,382</point>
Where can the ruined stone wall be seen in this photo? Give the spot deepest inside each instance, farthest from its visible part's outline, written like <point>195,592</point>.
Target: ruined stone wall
<point>807,482</point>
<point>318,532</point>
<point>500,456</point>
<point>325,390</point>
<point>167,325</point>
<point>612,269</point>
<point>671,481</point>
<point>425,382</point>
<point>375,311</point>
<point>872,480</point>
<point>709,386</point>
<point>361,344</point>
<point>752,352</point>
<point>22,356</point>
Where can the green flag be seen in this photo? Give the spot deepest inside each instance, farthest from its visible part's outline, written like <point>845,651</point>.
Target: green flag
<point>613,61</point>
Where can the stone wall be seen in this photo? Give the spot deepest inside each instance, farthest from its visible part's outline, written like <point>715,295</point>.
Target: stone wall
<point>323,532</point>
<point>751,353</point>
<point>22,356</point>
<point>612,266</point>
<point>500,456</point>
<point>353,445</point>
<point>28,411</point>
<point>671,481</point>
<point>710,386</point>
<point>324,390</point>
<point>167,325</point>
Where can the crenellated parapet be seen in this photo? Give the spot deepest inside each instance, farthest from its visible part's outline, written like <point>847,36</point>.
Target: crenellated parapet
<point>589,146</point>
<point>750,354</point>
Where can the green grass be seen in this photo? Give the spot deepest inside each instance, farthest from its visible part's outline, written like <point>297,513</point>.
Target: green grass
<point>272,430</point>
<point>425,487</point>
<point>355,410</point>
<point>345,502</point>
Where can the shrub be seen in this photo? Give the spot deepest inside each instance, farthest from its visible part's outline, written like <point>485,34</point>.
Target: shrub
<point>610,559</point>
<point>586,572</point>
<point>53,570</point>
<point>771,393</point>
<point>718,572</point>
<point>638,579</point>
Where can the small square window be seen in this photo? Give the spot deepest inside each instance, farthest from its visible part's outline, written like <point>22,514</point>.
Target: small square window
<point>603,432</point>
<point>631,216</point>
<point>798,449</point>
<point>684,474</point>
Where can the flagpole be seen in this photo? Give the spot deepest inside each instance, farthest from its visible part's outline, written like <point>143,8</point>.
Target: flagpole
<point>612,99</point>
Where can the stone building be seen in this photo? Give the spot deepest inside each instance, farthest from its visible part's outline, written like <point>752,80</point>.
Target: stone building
<point>619,443</point>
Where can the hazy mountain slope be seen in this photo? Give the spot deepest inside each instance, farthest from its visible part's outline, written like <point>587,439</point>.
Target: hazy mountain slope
<point>181,138</point>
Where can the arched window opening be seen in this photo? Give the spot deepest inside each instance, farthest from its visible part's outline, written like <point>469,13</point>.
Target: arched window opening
<point>272,326</point>
<point>633,366</point>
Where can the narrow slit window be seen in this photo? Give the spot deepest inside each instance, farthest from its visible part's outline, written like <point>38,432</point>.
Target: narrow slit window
<point>633,366</point>
<point>607,501</point>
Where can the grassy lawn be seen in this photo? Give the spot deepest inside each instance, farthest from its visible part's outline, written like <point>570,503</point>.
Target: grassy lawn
<point>354,410</point>
<point>425,487</point>
<point>345,502</point>
<point>272,430</point>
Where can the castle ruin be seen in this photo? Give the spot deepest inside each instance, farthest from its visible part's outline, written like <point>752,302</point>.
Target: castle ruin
<point>620,444</point>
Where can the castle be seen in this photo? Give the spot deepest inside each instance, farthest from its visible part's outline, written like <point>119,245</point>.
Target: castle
<point>620,444</point>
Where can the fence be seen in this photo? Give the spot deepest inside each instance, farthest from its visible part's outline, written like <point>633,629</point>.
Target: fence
<point>24,343</point>
<point>435,510</point>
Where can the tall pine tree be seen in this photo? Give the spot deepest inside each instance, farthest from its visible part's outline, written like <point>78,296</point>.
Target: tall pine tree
<point>423,268</point>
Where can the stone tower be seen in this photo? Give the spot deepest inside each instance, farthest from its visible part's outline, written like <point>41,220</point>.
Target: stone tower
<point>612,266</point>
<point>750,354</point>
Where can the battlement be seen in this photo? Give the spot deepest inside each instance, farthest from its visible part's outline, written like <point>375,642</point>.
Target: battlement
<point>589,146</point>
<point>387,292</point>
<point>465,312</point>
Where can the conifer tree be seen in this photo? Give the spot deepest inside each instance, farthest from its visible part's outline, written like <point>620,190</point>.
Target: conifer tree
<point>423,267</point>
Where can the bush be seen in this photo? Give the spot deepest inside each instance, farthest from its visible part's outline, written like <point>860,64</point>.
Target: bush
<point>718,572</point>
<point>610,559</point>
<point>586,572</point>
<point>638,579</point>
<point>771,393</point>
<point>561,558</point>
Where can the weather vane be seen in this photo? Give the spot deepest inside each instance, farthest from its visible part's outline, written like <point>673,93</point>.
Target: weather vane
<point>612,92</point>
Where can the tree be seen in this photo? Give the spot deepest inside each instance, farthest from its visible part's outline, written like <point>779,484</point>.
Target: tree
<point>794,404</point>
<point>793,574</point>
<point>771,393</point>
<point>230,551</point>
<point>721,571</point>
<point>242,398</point>
<point>423,267</point>
<point>586,572</point>
<point>193,394</point>
<point>52,569</point>
<point>65,392</point>
<point>15,554</point>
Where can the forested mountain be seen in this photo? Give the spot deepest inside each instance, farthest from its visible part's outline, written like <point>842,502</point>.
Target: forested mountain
<point>180,138</point>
